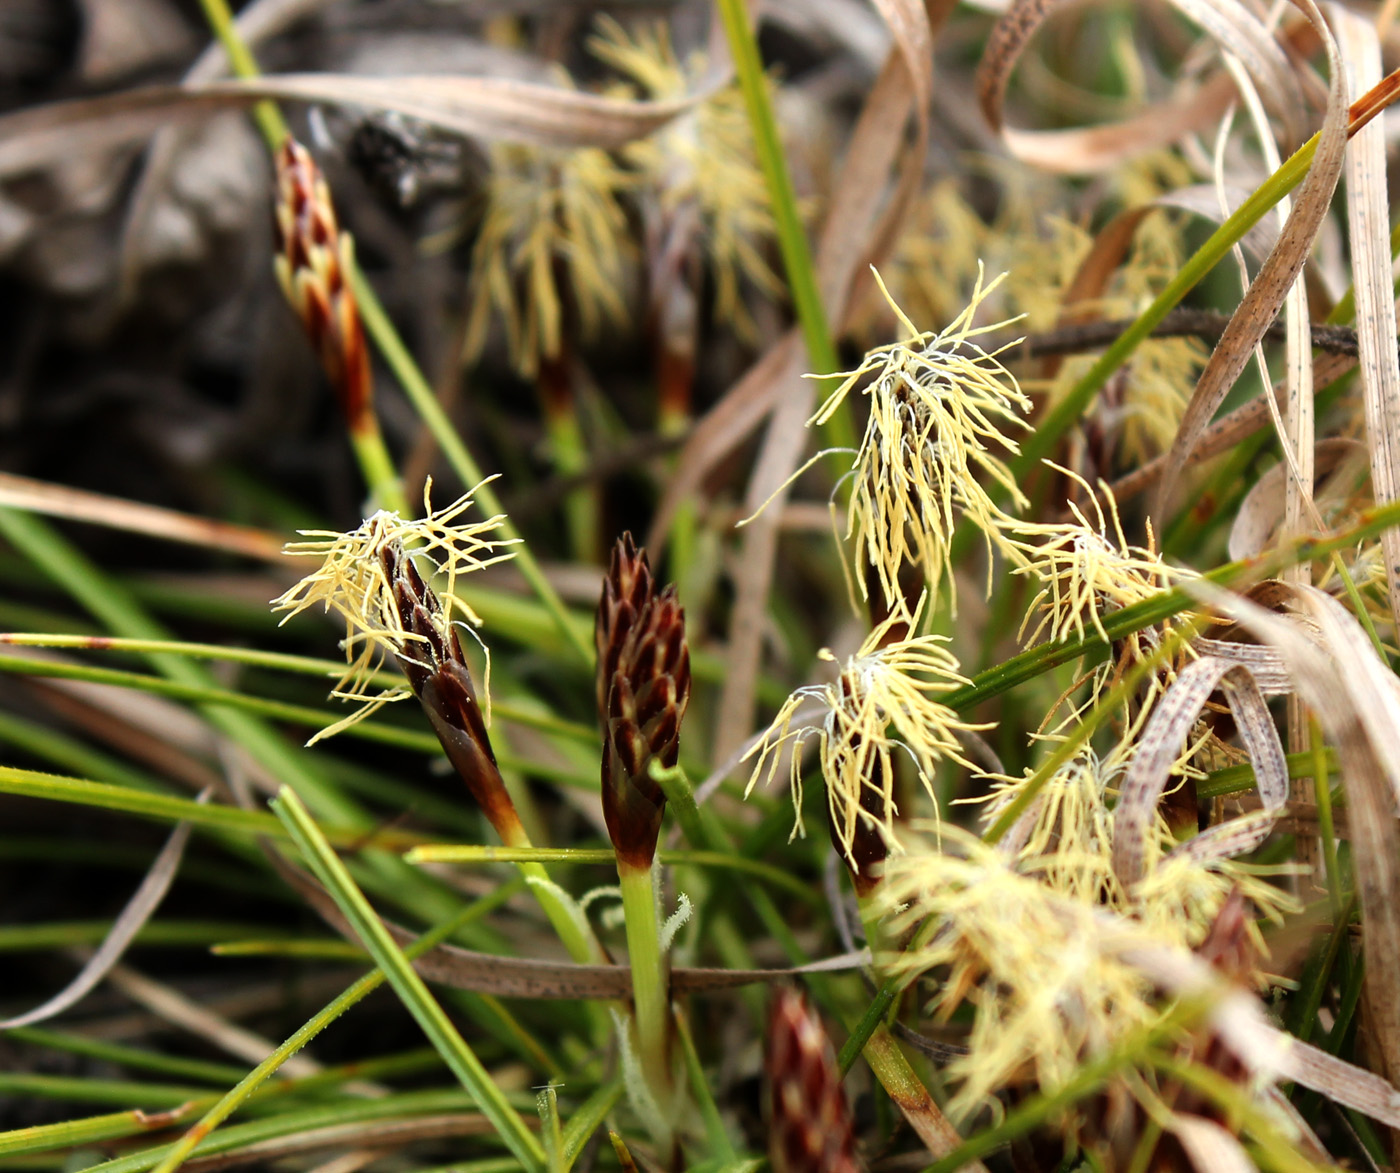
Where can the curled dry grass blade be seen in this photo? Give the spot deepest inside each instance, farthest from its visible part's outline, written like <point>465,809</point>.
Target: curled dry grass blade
<point>1355,698</point>
<point>139,909</point>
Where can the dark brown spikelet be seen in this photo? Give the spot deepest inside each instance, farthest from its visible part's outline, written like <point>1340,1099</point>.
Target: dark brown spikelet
<point>643,689</point>
<point>313,266</point>
<point>810,1129</point>
<point>431,658</point>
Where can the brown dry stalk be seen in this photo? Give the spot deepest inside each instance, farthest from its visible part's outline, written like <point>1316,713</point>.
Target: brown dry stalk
<point>643,688</point>
<point>809,1119</point>
<point>313,263</point>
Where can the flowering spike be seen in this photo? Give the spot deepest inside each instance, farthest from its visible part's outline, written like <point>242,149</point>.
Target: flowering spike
<point>371,579</point>
<point>313,263</point>
<point>431,657</point>
<point>1088,569</point>
<point>643,687</point>
<point>938,404</point>
<point>809,1119</point>
<point>549,254</point>
<point>884,701</point>
<point>701,169</point>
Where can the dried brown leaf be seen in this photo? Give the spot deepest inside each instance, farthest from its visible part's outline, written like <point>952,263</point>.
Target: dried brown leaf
<point>1159,746</point>
<point>483,107</point>
<point>17,492</point>
<point>1357,700</point>
<point>1261,511</point>
<point>1094,148</point>
<point>1228,430</point>
<point>1368,216</point>
<point>1266,295</point>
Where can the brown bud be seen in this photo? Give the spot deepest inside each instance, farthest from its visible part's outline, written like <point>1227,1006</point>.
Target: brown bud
<point>809,1119</point>
<point>313,265</point>
<point>431,658</point>
<point>869,847</point>
<point>643,689</point>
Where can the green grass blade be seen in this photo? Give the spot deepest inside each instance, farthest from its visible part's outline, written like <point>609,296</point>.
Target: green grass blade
<point>411,989</point>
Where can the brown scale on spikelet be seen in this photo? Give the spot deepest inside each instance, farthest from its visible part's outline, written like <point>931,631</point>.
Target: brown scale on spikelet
<point>431,658</point>
<point>809,1119</point>
<point>313,264</point>
<point>643,689</point>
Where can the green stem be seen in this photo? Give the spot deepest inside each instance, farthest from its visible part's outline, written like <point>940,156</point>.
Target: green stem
<point>1322,795</point>
<point>792,236</point>
<point>420,394</point>
<point>240,1092</point>
<point>475,853</point>
<point>241,62</point>
<point>386,489</point>
<point>650,992</point>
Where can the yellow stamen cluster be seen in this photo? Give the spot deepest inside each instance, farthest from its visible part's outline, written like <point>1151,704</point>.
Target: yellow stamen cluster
<point>701,164</point>
<point>1025,957</point>
<point>1019,926</point>
<point>938,404</point>
<point>548,212</point>
<point>352,583</point>
<point>886,700</point>
<point>1087,570</point>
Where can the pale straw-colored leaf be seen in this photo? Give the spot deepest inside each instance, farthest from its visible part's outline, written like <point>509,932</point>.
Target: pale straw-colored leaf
<point>1265,664</point>
<point>1266,294</point>
<point>1368,217</point>
<point>1262,511</point>
<point>1098,148</point>
<point>19,492</point>
<point>1210,1147</point>
<point>489,108</point>
<point>1357,701</point>
<point>1159,747</point>
<point>1224,433</point>
<point>139,909</point>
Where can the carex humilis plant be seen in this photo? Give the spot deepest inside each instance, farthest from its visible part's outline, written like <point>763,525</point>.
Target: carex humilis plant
<point>1125,910</point>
